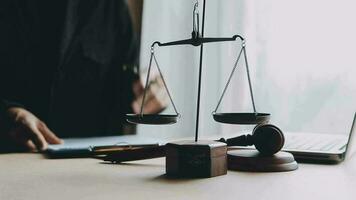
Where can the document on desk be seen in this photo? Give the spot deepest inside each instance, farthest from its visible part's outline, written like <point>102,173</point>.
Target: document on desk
<point>81,147</point>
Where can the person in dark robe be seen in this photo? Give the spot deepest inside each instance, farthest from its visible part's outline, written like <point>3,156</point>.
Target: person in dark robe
<point>67,69</point>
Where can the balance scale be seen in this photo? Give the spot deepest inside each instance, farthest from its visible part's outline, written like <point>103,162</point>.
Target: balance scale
<point>205,158</point>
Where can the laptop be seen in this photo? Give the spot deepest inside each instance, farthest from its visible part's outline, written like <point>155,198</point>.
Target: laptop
<point>320,148</point>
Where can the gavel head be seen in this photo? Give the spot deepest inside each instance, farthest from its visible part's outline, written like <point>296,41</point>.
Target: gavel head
<point>268,139</point>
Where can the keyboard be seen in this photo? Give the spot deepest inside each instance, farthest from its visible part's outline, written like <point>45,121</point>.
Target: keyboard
<point>314,142</point>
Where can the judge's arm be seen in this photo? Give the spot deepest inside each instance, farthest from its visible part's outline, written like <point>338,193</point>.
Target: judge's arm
<point>25,130</point>
<point>156,99</point>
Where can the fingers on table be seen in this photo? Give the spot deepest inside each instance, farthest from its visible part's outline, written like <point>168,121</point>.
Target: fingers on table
<point>36,136</point>
<point>50,137</point>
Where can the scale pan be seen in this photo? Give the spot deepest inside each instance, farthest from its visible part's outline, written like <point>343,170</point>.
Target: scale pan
<point>151,119</point>
<point>242,118</point>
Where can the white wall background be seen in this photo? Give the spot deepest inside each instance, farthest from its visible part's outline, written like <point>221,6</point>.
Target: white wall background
<point>301,55</point>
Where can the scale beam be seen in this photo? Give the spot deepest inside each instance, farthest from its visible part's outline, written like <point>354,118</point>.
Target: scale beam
<point>198,41</point>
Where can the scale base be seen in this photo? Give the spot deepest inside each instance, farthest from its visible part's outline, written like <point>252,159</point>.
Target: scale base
<point>252,160</point>
<point>190,159</point>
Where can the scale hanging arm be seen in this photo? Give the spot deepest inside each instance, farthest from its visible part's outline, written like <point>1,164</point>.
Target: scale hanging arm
<point>228,81</point>
<point>164,83</point>
<point>157,119</point>
<point>249,79</point>
<point>242,51</point>
<point>153,58</point>
<point>240,118</point>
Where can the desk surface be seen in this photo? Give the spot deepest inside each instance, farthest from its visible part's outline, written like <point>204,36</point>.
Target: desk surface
<point>30,176</point>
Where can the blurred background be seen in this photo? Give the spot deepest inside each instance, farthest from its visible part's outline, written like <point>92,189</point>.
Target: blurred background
<point>301,58</point>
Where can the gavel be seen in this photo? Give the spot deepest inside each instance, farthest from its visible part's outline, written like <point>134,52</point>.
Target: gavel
<point>267,138</point>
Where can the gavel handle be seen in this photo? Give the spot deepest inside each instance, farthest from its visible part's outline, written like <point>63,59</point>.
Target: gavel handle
<point>242,140</point>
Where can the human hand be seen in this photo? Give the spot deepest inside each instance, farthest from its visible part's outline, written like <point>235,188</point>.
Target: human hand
<point>29,131</point>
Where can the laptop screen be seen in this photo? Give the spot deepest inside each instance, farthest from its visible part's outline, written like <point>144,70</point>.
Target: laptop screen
<point>349,150</point>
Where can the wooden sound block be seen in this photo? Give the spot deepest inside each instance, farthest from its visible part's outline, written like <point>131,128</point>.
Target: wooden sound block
<point>192,159</point>
<point>252,160</point>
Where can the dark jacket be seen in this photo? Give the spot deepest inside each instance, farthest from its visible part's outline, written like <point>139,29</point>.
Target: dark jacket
<point>71,63</point>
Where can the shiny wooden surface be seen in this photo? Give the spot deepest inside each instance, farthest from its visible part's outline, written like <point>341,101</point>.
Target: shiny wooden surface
<point>31,176</point>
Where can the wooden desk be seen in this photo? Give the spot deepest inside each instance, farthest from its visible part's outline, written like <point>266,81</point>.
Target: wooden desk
<point>30,176</point>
